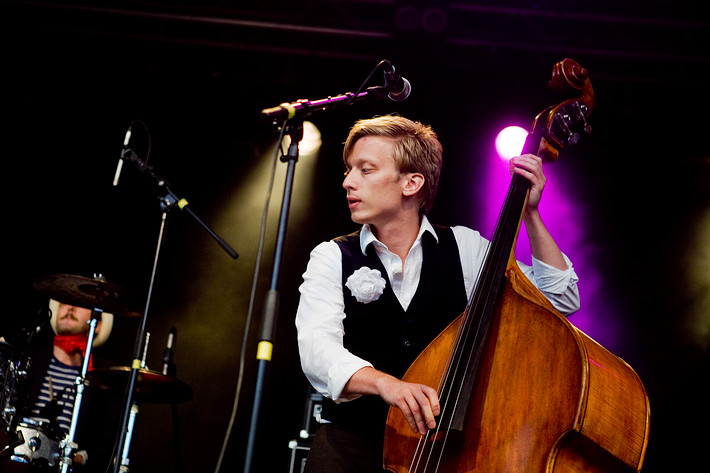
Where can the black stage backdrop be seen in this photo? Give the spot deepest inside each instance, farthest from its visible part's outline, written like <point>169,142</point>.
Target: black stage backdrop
<point>75,77</point>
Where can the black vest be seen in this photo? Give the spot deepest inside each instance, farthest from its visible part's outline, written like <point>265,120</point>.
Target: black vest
<point>386,335</point>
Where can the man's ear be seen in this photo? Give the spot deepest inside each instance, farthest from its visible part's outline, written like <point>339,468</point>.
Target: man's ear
<point>413,183</point>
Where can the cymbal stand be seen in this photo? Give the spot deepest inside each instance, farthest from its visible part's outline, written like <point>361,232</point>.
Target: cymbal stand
<point>129,435</point>
<point>125,461</point>
<point>167,201</point>
<point>68,445</point>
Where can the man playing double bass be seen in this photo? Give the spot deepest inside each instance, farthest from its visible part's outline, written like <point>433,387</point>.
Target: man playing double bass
<point>371,301</point>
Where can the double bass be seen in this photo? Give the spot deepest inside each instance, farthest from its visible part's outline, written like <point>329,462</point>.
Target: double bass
<point>521,389</point>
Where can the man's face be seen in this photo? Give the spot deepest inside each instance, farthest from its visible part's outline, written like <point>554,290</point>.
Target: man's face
<point>72,320</point>
<point>374,184</point>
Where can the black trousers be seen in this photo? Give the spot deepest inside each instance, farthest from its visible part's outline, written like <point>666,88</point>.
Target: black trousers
<point>336,450</point>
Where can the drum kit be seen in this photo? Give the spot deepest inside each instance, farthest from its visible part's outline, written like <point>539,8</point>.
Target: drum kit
<point>32,444</point>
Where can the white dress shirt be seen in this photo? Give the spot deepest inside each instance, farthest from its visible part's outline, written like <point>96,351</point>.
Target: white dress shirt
<point>319,319</point>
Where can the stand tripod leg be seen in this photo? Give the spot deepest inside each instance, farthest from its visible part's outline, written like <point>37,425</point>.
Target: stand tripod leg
<point>129,433</point>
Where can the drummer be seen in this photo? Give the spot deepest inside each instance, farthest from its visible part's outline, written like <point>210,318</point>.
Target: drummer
<point>55,368</point>
<point>71,325</point>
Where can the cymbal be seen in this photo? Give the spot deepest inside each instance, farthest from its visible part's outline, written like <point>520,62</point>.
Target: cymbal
<point>88,293</point>
<point>151,386</point>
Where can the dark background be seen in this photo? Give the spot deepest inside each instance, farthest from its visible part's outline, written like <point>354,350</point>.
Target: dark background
<point>75,75</point>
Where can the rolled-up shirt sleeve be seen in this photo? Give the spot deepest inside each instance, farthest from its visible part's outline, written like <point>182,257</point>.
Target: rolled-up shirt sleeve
<point>319,322</point>
<point>559,286</point>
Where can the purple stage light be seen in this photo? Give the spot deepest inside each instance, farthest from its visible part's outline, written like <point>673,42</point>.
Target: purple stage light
<point>509,142</point>
<point>565,216</point>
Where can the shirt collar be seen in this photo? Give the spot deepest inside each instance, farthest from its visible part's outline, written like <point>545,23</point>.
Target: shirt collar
<point>367,237</point>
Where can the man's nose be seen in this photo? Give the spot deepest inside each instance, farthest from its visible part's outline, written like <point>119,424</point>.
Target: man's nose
<point>348,181</point>
<point>70,310</point>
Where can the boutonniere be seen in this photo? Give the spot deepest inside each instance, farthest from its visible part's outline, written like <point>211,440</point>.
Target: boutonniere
<point>366,284</point>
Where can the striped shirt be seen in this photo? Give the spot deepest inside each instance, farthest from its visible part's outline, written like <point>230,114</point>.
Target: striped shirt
<point>59,384</point>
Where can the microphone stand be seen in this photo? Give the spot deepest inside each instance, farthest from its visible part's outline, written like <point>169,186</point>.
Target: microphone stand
<point>291,115</point>
<point>168,201</point>
<point>267,331</point>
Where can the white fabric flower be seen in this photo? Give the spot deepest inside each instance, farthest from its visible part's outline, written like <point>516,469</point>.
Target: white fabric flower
<point>366,284</point>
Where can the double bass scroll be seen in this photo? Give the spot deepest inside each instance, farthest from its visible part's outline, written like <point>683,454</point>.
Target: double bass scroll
<point>522,390</point>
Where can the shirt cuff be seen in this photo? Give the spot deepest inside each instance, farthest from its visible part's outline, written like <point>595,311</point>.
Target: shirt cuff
<point>340,374</point>
<point>553,280</point>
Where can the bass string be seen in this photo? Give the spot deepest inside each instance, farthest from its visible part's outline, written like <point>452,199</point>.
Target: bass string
<point>424,454</point>
<point>481,298</point>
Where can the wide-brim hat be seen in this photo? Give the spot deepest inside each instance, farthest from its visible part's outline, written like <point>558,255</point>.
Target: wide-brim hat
<point>104,330</point>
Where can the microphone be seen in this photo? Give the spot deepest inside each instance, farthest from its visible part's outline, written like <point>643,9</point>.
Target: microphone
<point>396,87</point>
<point>119,166</point>
<point>168,365</point>
<point>399,88</point>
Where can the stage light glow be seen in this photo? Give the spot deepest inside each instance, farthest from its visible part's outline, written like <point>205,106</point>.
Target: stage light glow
<point>509,142</point>
<point>311,141</point>
<point>695,279</point>
<point>236,216</point>
<point>566,217</point>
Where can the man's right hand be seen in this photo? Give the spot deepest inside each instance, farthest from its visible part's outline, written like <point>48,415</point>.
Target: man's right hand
<point>419,403</point>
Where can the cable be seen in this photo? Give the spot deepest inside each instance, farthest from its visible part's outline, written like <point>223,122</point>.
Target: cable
<point>262,232</point>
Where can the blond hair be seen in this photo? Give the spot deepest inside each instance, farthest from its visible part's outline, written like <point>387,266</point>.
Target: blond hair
<point>416,149</point>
